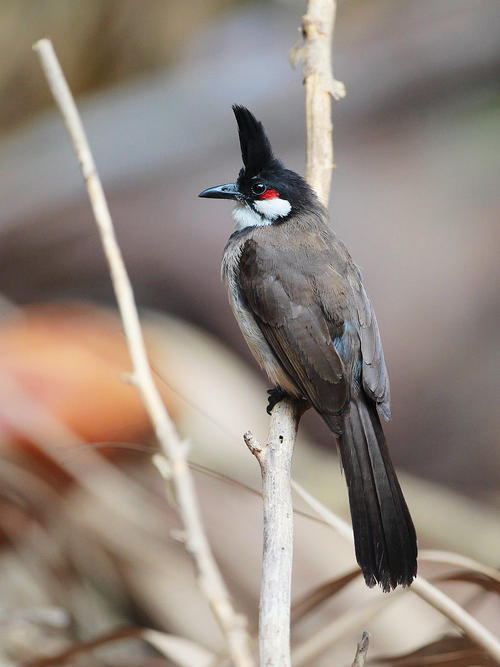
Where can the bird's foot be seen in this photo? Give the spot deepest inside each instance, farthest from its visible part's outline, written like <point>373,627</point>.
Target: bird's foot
<point>276,394</point>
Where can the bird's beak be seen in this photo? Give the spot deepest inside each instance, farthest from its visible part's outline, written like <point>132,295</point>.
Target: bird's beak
<point>228,191</point>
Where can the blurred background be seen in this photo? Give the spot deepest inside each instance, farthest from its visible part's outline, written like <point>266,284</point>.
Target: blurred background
<point>85,530</point>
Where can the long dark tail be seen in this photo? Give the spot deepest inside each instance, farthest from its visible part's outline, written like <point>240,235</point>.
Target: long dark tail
<point>384,535</point>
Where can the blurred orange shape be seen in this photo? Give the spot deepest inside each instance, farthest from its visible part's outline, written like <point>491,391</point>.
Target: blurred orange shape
<point>68,362</point>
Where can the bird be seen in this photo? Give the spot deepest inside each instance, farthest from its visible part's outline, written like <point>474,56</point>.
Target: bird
<point>300,303</point>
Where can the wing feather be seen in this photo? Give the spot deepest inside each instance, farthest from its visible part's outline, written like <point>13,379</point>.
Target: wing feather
<point>375,376</point>
<point>285,307</point>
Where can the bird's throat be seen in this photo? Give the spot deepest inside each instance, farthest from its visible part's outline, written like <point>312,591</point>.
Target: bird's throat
<point>244,216</point>
<point>264,213</point>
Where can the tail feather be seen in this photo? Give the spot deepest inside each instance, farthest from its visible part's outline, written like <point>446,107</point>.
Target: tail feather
<point>384,535</point>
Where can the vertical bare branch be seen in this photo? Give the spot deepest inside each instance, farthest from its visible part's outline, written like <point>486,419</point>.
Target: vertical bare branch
<point>317,30</point>
<point>174,462</point>
<point>275,457</point>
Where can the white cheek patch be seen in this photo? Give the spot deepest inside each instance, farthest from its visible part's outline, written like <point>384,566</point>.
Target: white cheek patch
<point>273,208</point>
<point>244,216</point>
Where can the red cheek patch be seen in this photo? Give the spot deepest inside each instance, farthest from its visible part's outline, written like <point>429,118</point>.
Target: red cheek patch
<point>269,194</point>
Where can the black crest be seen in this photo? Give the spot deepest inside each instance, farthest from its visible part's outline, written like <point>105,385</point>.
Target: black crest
<point>256,150</point>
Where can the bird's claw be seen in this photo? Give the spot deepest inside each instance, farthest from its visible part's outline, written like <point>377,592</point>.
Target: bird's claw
<point>276,394</point>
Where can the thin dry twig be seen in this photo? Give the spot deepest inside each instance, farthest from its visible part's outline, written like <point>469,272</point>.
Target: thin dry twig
<point>361,650</point>
<point>173,449</point>
<point>348,622</point>
<point>276,457</point>
<point>420,586</point>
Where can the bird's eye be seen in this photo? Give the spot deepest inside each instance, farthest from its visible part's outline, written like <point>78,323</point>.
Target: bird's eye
<point>258,188</point>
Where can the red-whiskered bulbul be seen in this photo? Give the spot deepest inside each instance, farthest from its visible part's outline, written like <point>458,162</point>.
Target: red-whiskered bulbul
<point>300,303</point>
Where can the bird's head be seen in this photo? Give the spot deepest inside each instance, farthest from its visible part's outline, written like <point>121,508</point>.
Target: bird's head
<point>265,192</point>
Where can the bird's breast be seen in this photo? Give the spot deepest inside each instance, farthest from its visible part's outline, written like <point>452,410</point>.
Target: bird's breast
<point>252,334</point>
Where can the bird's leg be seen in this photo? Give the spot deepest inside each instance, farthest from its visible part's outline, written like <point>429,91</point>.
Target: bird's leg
<point>276,394</point>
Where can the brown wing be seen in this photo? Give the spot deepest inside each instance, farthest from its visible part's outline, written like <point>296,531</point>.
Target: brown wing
<point>285,306</point>
<point>343,297</point>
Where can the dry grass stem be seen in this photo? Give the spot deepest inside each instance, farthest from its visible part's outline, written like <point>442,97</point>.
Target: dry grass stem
<point>458,616</point>
<point>450,558</point>
<point>420,586</point>
<point>321,593</point>
<point>209,576</point>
